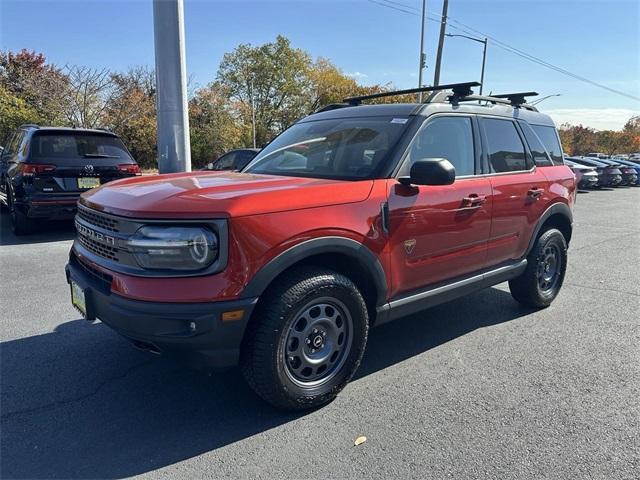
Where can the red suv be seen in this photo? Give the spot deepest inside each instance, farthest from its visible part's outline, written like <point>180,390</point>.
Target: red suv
<point>354,216</point>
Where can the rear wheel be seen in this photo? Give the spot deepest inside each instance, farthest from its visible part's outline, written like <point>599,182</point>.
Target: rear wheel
<point>306,340</point>
<point>541,281</point>
<point>21,224</point>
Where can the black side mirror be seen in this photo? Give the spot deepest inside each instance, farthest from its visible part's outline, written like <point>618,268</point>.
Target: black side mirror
<point>430,171</point>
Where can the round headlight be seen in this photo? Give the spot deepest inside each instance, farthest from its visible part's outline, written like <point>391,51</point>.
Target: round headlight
<point>174,248</point>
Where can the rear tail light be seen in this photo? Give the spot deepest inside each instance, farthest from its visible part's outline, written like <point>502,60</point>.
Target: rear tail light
<point>130,168</point>
<point>31,169</point>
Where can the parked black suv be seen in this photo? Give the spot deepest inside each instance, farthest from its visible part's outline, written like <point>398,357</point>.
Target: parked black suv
<point>43,170</point>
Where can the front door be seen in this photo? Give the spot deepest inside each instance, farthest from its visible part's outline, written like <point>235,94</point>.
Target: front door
<point>438,233</point>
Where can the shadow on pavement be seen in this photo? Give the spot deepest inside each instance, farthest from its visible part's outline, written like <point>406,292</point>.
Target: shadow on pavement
<point>80,402</point>
<point>47,231</point>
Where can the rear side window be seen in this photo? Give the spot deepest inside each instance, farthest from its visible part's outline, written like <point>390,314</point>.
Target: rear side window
<point>540,156</point>
<point>550,140</point>
<point>80,146</point>
<point>505,148</point>
<point>446,137</point>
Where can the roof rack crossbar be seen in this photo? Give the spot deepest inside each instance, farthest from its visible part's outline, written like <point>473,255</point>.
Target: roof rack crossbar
<point>459,90</point>
<point>516,99</point>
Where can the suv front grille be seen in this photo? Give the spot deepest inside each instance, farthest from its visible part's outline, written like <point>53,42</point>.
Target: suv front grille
<point>98,248</point>
<point>103,278</point>
<point>99,220</point>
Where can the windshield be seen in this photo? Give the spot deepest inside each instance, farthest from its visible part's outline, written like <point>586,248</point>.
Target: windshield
<point>77,145</point>
<point>344,148</point>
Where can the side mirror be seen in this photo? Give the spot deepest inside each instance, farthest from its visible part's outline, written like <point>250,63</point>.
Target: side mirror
<point>430,171</point>
<point>210,166</point>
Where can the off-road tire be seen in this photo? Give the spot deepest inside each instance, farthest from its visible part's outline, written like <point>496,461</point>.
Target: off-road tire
<point>527,288</point>
<point>263,359</point>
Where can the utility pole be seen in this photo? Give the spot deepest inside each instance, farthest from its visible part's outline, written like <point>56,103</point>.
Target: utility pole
<point>423,62</point>
<point>253,115</point>
<point>443,28</point>
<point>174,149</point>
<point>484,60</point>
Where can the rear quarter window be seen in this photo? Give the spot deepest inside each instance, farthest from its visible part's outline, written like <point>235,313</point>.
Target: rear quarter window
<point>551,142</point>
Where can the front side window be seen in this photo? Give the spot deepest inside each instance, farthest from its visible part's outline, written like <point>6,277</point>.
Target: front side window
<point>344,148</point>
<point>77,145</point>
<point>551,142</point>
<point>540,156</point>
<point>225,162</point>
<point>445,137</point>
<point>505,148</point>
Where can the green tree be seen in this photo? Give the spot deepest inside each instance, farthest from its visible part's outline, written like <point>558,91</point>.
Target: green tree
<point>213,127</point>
<point>41,88</point>
<point>269,81</point>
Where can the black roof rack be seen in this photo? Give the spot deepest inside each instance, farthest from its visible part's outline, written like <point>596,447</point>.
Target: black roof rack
<point>516,99</point>
<point>459,90</point>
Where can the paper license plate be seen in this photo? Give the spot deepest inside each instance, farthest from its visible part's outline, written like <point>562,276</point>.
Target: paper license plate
<point>88,182</point>
<point>77,298</point>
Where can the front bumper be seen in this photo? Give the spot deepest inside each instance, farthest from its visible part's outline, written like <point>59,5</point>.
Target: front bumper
<point>193,333</point>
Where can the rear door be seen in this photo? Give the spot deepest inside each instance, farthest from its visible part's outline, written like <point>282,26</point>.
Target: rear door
<point>73,162</point>
<point>519,189</point>
<point>440,232</point>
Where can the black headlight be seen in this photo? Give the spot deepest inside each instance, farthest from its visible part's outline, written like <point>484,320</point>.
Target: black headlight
<point>174,248</point>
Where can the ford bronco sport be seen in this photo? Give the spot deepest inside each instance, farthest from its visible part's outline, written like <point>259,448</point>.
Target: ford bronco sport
<point>354,216</point>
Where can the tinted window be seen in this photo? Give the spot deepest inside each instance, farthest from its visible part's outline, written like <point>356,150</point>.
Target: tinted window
<point>243,158</point>
<point>540,156</point>
<point>551,142</point>
<point>445,137</point>
<point>345,148</point>
<point>225,162</point>
<point>505,148</point>
<point>76,145</point>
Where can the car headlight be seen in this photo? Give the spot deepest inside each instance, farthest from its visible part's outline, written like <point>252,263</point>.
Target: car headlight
<point>174,248</point>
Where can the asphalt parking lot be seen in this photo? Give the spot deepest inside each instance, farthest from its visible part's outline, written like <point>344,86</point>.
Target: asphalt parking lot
<point>478,388</point>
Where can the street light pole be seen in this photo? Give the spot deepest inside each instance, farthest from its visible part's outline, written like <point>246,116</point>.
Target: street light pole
<point>484,54</point>
<point>484,60</point>
<point>443,28</point>
<point>174,149</point>
<point>421,65</point>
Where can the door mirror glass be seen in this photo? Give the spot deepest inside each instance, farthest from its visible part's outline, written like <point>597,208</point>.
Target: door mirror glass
<point>430,171</point>
<point>210,166</point>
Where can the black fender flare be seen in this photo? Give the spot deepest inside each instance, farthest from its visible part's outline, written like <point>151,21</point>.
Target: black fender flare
<point>557,208</point>
<point>315,246</point>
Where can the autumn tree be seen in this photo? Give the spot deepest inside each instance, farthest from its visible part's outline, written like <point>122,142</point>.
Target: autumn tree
<point>212,125</point>
<point>32,90</point>
<point>131,113</point>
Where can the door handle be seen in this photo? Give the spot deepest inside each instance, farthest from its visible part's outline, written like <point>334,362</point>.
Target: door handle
<point>535,192</point>
<point>473,200</point>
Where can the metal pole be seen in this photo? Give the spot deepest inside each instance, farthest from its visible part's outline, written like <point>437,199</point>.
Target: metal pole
<point>484,59</point>
<point>443,28</point>
<point>422,59</point>
<point>174,150</point>
<point>253,115</point>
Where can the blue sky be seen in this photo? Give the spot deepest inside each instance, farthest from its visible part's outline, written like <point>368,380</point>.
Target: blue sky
<point>599,40</point>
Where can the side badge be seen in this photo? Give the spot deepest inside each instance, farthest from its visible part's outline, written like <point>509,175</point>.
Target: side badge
<point>409,245</point>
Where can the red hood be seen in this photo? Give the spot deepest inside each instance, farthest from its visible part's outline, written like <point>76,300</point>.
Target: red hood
<point>220,194</point>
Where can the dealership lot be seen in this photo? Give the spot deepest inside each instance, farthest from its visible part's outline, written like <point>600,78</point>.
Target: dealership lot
<point>479,387</point>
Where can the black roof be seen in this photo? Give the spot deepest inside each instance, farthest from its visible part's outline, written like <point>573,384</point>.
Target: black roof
<point>99,131</point>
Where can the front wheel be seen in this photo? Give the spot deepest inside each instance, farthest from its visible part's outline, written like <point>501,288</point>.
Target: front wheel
<point>306,339</point>
<point>540,283</point>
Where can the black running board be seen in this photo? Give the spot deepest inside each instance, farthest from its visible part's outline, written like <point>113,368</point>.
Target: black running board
<point>435,295</point>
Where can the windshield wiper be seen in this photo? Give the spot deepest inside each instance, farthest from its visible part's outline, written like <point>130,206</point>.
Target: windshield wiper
<point>100,155</point>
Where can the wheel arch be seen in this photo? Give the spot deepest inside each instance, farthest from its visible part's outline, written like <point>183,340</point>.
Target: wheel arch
<point>343,255</point>
<point>557,216</point>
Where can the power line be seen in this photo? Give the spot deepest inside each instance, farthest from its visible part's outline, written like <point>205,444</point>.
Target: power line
<point>456,24</point>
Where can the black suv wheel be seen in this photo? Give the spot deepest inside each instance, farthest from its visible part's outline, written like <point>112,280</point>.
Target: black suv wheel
<point>540,283</point>
<point>306,339</point>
